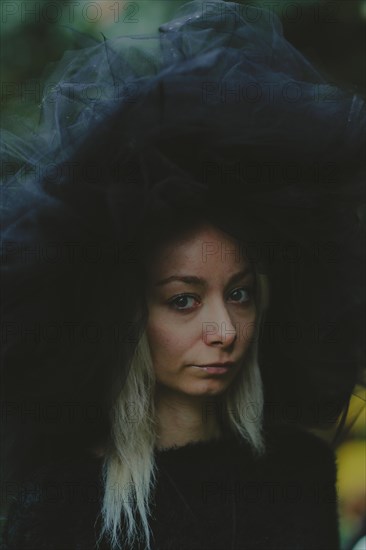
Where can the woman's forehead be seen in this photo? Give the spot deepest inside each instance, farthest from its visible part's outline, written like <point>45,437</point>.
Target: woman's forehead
<point>198,252</point>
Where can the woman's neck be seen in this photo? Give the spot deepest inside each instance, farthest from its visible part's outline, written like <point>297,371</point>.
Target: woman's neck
<point>182,419</point>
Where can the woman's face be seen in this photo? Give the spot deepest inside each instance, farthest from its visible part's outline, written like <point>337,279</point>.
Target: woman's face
<point>200,297</point>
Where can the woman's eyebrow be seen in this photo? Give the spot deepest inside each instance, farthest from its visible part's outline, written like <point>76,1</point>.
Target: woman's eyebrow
<point>198,281</point>
<point>240,275</point>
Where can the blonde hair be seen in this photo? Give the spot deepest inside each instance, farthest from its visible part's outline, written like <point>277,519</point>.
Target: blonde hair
<point>129,470</point>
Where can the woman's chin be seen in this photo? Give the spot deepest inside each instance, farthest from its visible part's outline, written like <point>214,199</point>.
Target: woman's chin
<point>207,388</point>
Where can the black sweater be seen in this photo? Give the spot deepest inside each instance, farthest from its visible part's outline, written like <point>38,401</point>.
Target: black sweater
<point>209,496</point>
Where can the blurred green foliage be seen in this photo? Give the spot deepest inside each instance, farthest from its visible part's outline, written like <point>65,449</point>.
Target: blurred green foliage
<point>37,32</point>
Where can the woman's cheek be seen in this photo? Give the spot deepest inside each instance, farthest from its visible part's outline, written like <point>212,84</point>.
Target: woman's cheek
<point>247,326</point>
<point>250,332</point>
<point>163,339</point>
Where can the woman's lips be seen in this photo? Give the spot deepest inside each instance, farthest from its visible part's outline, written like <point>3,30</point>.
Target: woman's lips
<point>215,368</point>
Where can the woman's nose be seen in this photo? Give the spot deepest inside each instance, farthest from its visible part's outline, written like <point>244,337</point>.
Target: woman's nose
<point>218,328</point>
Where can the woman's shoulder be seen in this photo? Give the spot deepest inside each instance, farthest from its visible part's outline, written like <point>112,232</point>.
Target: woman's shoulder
<point>61,479</point>
<point>295,450</point>
<point>52,501</point>
<point>296,440</point>
<point>55,476</point>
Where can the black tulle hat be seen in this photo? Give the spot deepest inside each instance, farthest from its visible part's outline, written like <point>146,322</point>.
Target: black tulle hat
<point>217,115</point>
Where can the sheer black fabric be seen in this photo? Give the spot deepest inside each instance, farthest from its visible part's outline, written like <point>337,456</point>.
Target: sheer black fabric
<point>217,113</point>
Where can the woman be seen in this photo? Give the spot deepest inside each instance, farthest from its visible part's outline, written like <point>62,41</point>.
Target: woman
<point>187,427</point>
<point>220,161</point>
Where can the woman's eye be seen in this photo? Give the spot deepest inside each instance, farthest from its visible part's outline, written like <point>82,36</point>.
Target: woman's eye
<point>183,302</point>
<point>241,295</point>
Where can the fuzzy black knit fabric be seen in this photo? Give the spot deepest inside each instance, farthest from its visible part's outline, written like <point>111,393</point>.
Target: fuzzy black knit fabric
<point>209,496</point>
